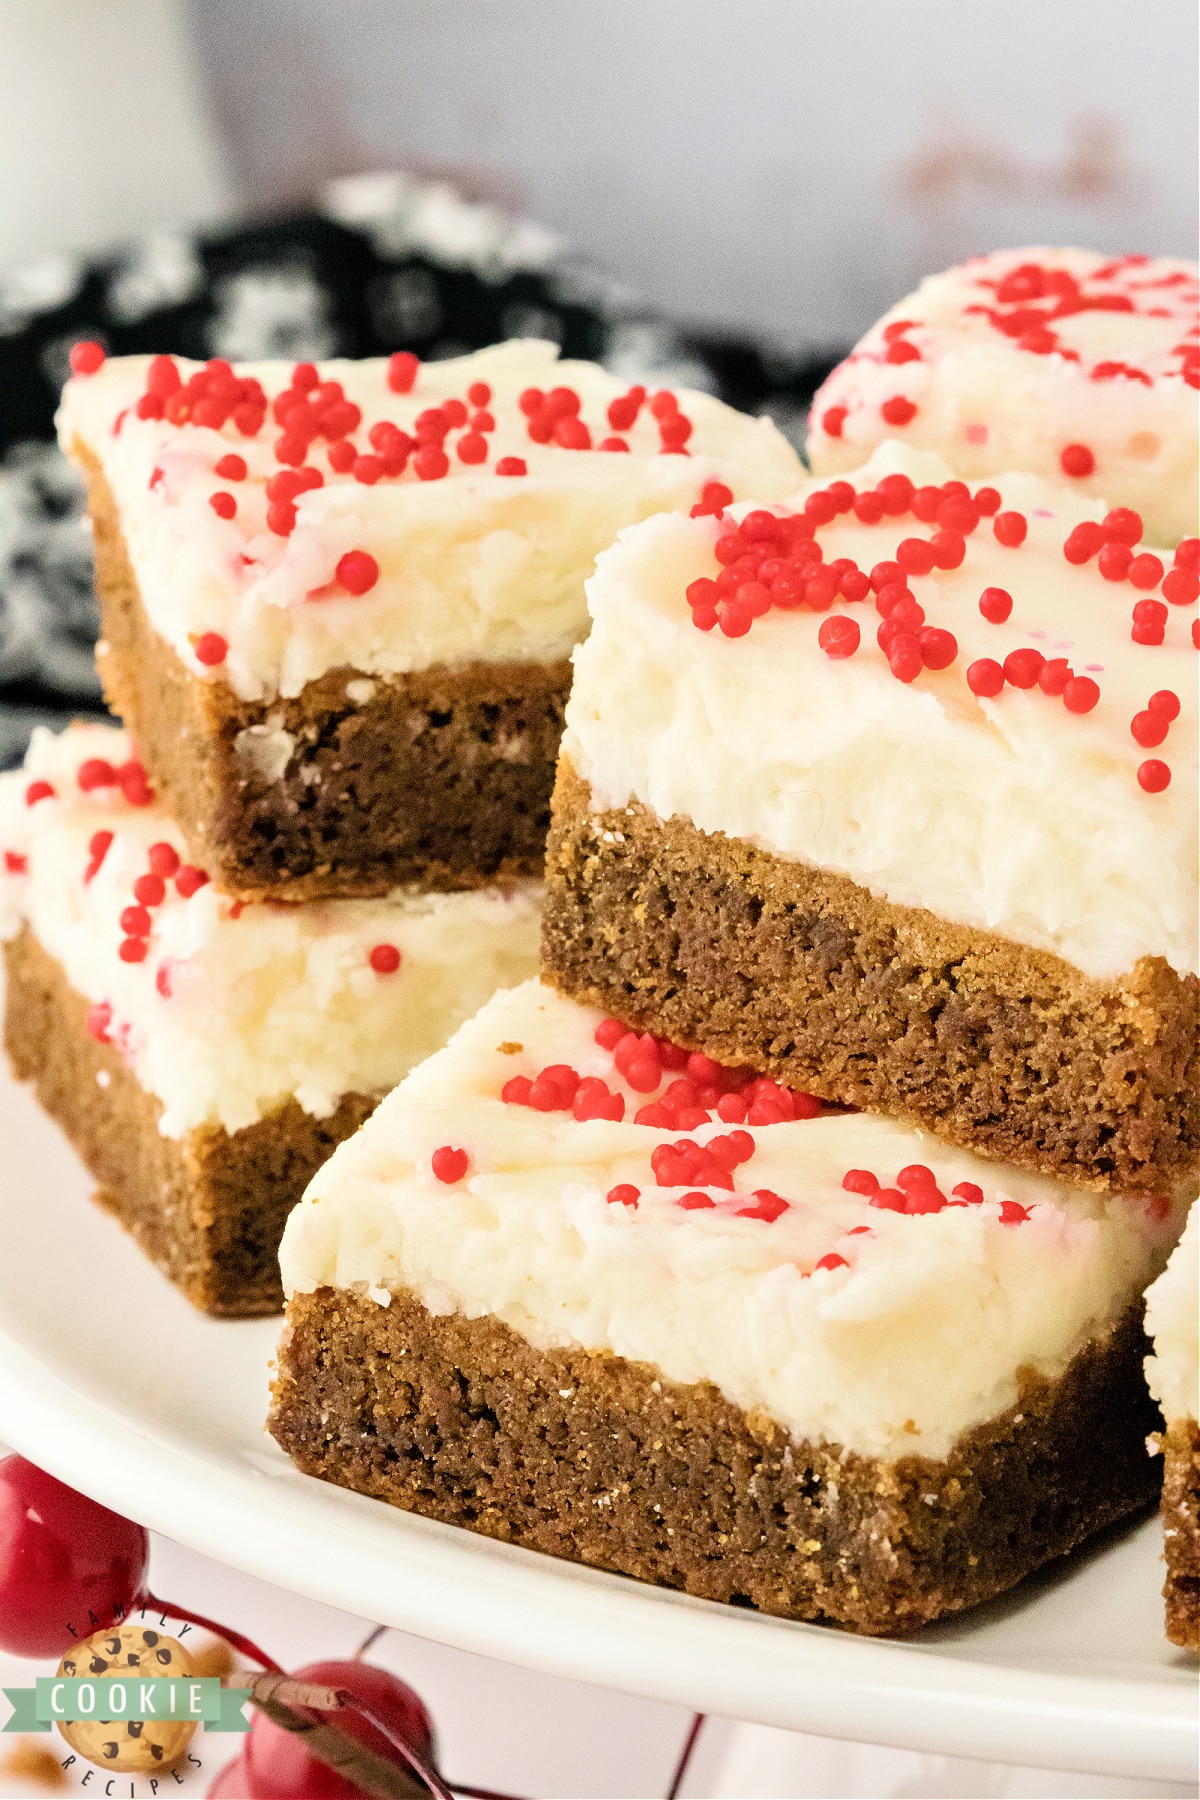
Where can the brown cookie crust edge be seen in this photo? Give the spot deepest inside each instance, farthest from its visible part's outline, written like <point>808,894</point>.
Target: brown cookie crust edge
<point>1181,1531</point>
<point>442,776</point>
<point>208,1208</point>
<point>599,1460</point>
<point>803,974</point>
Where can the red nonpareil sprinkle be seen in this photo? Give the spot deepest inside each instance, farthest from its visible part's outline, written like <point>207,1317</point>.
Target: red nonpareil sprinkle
<point>1149,622</point>
<point>1181,586</point>
<point>1022,667</point>
<point>624,1194</point>
<point>767,1206</point>
<point>664,404</point>
<point>384,959</point>
<point>821,507</point>
<point>189,880</point>
<point>1145,571</point>
<point>570,433</point>
<point>995,604</point>
<point>1054,676</point>
<point>1010,529</point>
<point>211,649</point>
<point>695,1201</point>
<point>1076,460</point>
<point>1187,553</point>
<point>985,678</point>
<point>479,393</point>
<point>1083,541</point>
<point>986,501</point>
<point>1080,694</point>
<point>889,1200</point>
<point>132,949</point>
<point>281,518</point>
<point>148,890</point>
<point>898,351</point>
<point>1114,561</point>
<point>135,921</point>
<point>915,556</point>
<point>17,864</point>
<point>904,656</point>
<point>357,572</point>
<point>342,456</point>
<point>868,509</point>
<point>1149,729</point>
<point>431,463</point>
<point>472,447</point>
<point>938,648</point>
<point>163,859</point>
<point>511,465</point>
<point>831,1261</point>
<point>449,1165</point>
<point>98,848</point>
<point>231,467</point>
<point>896,492</point>
<point>832,420</point>
<point>99,1019</point>
<point>609,1032</point>
<point>839,637</point>
<point>368,470</point>
<point>38,790</point>
<point>860,1181</point>
<point>1196,634</point>
<point>595,1100</point>
<point>1012,1213</point>
<point>1122,526</point>
<point>223,504</point>
<point>898,410</point>
<point>95,772</point>
<point>949,548</point>
<point>1153,776</point>
<point>1165,703</point>
<point>455,413</point>
<point>162,980</point>
<point>402,371</point>
<point>131,778</point>
<point>969,1193</point>
<point>86,357</point>
<point>676,430</point>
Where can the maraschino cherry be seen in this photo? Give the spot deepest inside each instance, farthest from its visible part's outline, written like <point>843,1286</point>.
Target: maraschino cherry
<point>278,1764</point>
<point>68,1566</point>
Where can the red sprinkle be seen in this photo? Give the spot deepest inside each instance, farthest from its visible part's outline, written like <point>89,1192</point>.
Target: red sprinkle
<point>1145,571</point>
<point>832,420</point>
<point>358,572</point>
<point>1010,529</point>
<point>860,1181</point>
<point>95,773</point>
<point>985,677</point>
<point>1181,586</point>
<point>1149,729</point>
<point>609,1033</point>
<point>163,859</point>
<point>995,604</point>
<point>1077,459</point>
<point>223,504</point>
<point>134,785</point>
<point>624,1194</point>
<point>99,1018</point>
<point>1122,526</point>
<point>968,1192</point>
<point>402,371</point>
<point>1114,562</point>
<point>938,648</point>
<point>839,636</point>
<point>449,1165</point>
<point>1080,694</point>
<point>38,790</point>
<point>86,357</point>
<point>1011,1213</point>
<point>211,648</point>
<point>149,890</point>
<point>1164,702</point>
<point>1022,667</point>
<point>384,959</point>
<point>1153,776</point>
<point>898,410</point>
<point>986,501</point>
<point>16,864</point>
<point>472,447</point>
<point>1083,542</point>
<point>767,1206</point>
<point>511,465</point>
<point>135,921</point>
<point>132,949</point>
<point>189,880</point>
<point>231,467</point>
<point>832,1260</point>
<point>1149,622</point>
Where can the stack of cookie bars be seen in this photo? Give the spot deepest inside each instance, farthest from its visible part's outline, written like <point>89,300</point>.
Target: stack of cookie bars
<point>337,610</point>
<point>785,1242</point>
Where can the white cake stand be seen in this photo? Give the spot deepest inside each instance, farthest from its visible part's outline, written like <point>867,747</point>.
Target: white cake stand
<point>112,1382</point>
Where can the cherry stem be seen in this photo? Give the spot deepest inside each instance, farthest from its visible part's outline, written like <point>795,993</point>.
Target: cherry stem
<point>247,1647</point>
<point>408,1756</point>
<point>681,1767</point>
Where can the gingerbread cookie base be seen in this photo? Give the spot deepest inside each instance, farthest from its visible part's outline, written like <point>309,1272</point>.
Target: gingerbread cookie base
<point>1011,1052</point>
<point>1181,1531</point>
<point>207,1208</point>
<point>600,1461</point>
<point>441,777</point>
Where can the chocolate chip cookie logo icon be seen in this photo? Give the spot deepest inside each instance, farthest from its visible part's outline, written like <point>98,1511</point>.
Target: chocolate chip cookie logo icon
<point>129,1658</point>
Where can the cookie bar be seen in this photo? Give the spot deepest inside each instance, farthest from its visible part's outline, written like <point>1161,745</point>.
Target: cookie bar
<point>1172,1372</point>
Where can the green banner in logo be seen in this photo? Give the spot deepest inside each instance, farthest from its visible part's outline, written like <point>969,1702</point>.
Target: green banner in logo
<point>170,1698</point>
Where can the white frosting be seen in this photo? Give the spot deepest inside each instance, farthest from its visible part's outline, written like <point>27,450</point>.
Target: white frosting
<point>1172,1303</point>
<point>262,1001</point>
<point>988,405</point>
<point>474,566</point>
<point>917,1338</point>
<point>1010,814</point>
